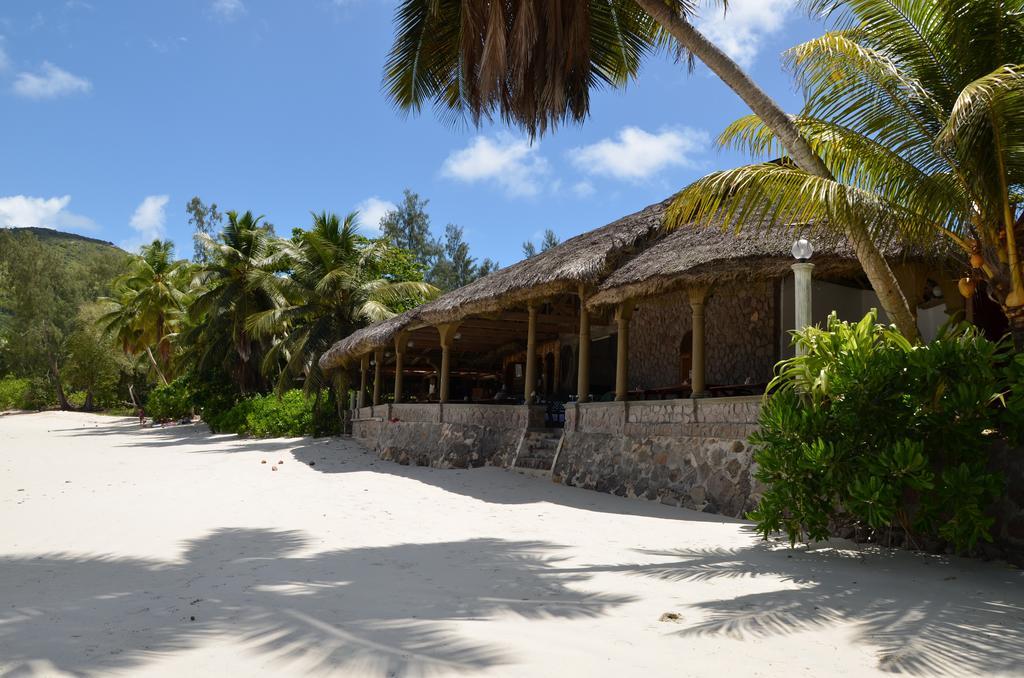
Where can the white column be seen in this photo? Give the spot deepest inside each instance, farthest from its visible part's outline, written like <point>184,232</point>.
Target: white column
<point>802,297</point>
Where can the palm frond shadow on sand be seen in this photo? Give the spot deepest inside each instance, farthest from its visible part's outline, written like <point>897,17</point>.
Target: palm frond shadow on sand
<point>365,611</point>
<point>933,620</point>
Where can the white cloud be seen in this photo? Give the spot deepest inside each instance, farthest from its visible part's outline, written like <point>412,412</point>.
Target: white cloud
<point>228,9</point>
<point>23,211</point>
<point>148,220</point>
<point>513,164</point>
<point>583,189</point>
<point>637,154</point>
<point>49,83</point>
<point>741,30</point>
<point>5,61</point>
<point>370,212</point>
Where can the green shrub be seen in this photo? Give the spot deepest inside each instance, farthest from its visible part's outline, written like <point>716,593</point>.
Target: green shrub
<point>76,399</point>
<point>40,394</point>
<point>14,394</point>
<point>172,401</point>
<point>267,416</point>
<point>230,420</point>
<point>868,431</point>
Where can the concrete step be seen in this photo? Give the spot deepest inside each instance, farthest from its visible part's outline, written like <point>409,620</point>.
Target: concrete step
<point>538,450</point>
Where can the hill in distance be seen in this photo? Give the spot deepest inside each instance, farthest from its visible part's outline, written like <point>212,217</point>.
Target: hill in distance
<point>92,262</point>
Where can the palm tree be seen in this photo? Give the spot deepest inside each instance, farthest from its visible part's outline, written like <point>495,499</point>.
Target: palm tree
<point>917,109</point>
<point>148,306</point>
<point>334,288</point>
<point>238,280</point>
<point>535,62</point>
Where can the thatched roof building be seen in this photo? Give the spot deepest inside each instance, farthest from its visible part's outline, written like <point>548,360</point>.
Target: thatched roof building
<point>693,255</point>
<point>624,266</point>
<point>583,260</point>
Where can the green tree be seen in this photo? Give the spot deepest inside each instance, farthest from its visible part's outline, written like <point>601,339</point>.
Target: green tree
<point>917,109</point>
<point>487,267</point>
<point>240,279</point>
<point>548,240</point>
<point>455,267</point>
<point>148,304</point>
<point>408,227</point>
<point>334,288</point>
<point>536,68</point>
<point>40,298</point>
<point>93,362</point>
<point>205,220</point>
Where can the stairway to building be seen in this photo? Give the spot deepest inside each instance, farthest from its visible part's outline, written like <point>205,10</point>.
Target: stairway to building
<point>537,451</point>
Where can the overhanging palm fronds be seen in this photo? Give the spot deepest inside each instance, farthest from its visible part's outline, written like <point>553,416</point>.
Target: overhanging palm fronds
<point>917,109</point>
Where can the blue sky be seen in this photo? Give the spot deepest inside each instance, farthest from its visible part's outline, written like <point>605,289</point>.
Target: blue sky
<point>113,114</point>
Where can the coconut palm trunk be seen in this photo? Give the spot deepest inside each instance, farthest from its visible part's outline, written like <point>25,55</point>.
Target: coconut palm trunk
<point>156,366</point>
<point>877,269</point>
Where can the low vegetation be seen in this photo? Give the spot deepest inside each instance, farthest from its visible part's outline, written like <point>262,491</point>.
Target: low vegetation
<point>870,435</point>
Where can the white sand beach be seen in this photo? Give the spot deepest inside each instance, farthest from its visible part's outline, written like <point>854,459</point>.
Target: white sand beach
<point>174,552</point>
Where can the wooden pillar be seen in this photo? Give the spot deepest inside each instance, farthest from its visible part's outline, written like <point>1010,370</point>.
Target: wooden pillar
<point>530,378</point>
<point>698,296</point>
<point>583,364</point>
<point>378,370</point>
<point>364,368</point>
<point>622,318</point>
<point>556,370</point>
<point>399,364</point>
<point>447,333</point>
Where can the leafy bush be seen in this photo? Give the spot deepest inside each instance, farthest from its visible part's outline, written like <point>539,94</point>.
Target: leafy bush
<point>14,394</point>
<point>40,394</point>
<point>76,398</point>
<point>172,401</point>
<point>867,431</point>
<point>268,416</point>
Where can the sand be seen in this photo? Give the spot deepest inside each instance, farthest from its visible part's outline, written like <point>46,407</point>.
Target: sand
<point>175,552</point>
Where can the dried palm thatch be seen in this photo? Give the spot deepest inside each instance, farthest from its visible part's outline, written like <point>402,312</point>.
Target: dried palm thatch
<point>691,256</point>
<point>375,336</point>
<point>583,260</point>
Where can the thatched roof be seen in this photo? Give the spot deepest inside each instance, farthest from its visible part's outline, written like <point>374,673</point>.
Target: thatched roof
<point>583,260</point>
<point>630,257</point>
<point>691,256</point>
<point>377,335</point>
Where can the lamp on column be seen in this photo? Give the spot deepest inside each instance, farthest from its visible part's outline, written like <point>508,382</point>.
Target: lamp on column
<point>802,252</point>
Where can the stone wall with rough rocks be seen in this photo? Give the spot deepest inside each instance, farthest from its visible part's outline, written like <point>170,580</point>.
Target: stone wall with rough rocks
<point>453,435</point>
<point>689,453</point>
<point>740,336</point>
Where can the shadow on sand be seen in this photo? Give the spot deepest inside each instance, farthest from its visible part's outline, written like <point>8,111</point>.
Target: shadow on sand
<point>929,615</point>
<point>365,611</point>
<point>344,455</point>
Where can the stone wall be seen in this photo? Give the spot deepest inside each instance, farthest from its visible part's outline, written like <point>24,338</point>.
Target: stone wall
<point>690,453</point>
<point>740,336</point>
<point>453,435</point>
